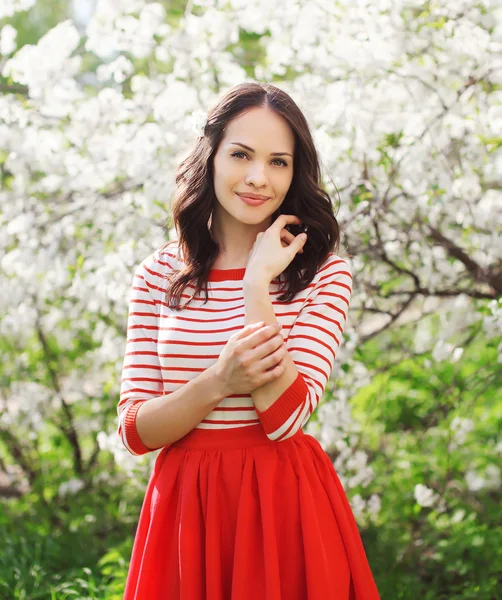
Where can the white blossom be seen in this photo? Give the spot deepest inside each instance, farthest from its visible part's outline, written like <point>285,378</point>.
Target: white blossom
<point>197,121</point>
<point>489,479</point>
<point>9,7</point>
<point>47,62</point>
<point>461,427</point>
<point>72,486</point>
<point>118,70</point>
<point>374,505</point>
<point>424,496</point>
<point>7,39</point>
<point>358,505</point>
<point>458,516</point>
<point>492,323</point>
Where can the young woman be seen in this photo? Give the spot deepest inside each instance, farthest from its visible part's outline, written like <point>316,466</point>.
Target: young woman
<point>241,504</point>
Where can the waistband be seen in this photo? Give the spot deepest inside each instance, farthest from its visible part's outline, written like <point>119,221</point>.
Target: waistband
<point>236,437</point>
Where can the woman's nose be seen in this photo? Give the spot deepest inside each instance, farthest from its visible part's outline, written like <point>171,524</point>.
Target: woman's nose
<point>256,175</point>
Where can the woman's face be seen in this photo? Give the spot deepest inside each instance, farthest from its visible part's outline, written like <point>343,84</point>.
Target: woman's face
<point>253,170</point>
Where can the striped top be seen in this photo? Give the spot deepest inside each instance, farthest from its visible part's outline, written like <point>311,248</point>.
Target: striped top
<point>166,348</point>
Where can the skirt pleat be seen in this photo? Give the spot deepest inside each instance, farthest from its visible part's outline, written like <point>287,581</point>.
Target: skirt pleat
<point>232,515</point>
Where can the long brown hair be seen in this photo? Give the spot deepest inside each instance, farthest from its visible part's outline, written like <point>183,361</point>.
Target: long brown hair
<point>195,199</point>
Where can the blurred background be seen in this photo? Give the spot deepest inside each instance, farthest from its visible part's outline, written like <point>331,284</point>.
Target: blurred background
<point>98,101</point>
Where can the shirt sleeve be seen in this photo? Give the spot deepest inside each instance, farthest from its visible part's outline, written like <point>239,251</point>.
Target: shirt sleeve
<point>313,344</point>
<point>141,371</point>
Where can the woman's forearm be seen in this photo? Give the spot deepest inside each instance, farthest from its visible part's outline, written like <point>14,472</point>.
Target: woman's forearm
<point>259,307</point>
<point>166,419</point>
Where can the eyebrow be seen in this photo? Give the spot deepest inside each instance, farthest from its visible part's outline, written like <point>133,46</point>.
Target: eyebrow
<point>271,154</point>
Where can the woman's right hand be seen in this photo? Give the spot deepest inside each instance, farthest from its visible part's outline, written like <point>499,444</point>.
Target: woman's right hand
<point>252,357</point>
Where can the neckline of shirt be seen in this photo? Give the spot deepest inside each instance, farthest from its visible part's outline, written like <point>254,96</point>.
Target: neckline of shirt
<point>226,274</point>
<point>220,274</point>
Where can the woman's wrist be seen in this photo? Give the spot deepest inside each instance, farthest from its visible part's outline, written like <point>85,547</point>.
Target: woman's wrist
<point>254,281</point>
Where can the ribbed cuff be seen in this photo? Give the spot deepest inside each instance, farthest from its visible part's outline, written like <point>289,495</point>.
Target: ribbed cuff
<point>276,415</point>
<point>131,433</point>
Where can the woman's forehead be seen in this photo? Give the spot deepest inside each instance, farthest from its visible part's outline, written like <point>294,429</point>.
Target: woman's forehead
<point>260,130</point>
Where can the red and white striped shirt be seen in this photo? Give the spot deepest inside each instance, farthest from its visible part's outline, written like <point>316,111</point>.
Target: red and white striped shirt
<point>165,348</point>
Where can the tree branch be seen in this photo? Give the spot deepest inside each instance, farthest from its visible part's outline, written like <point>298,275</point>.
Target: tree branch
<point>492,277</point>
<point>68,430</point>
<point>14,89</point>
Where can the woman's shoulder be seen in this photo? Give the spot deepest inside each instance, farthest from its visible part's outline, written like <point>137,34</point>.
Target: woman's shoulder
<point>334,263</point>
<point>162,261</point>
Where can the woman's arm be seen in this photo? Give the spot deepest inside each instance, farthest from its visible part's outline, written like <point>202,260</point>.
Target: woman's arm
<point>285,405</point>
<point>258,307</point>
<point>166,419</point>
<point>148,418</point>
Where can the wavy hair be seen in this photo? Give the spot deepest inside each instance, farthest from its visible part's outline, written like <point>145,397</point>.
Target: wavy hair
<point>194,198</point>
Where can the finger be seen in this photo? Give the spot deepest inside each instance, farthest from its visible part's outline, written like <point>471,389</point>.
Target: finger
<point>299,240</point>
<point>251,328</point>
<point>298,243</point>
<point>283,220</point>
<point>289,238</point>
<point>263,335</point>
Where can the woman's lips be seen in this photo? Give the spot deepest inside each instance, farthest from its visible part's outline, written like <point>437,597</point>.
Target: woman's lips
<point>251,201</point>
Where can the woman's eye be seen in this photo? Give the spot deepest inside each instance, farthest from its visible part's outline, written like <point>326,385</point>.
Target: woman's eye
<point>280,160</point>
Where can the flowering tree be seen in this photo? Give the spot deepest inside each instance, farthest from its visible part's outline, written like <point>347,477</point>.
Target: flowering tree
<point>405,101</point>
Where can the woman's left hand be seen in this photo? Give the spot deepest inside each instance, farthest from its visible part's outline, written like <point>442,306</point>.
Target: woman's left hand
<point>274,249</point>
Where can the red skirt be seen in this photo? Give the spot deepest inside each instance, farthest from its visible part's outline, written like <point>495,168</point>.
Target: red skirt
<point>231,515</point>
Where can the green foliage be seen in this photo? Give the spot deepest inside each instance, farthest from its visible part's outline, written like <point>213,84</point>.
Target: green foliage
<point>453,550</point>
<point>76,548</point>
